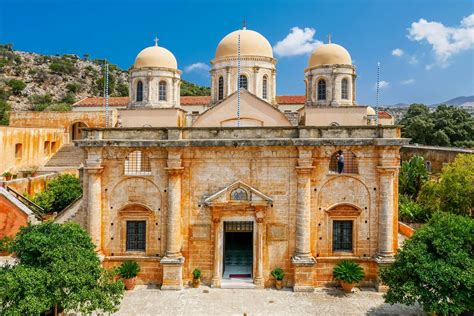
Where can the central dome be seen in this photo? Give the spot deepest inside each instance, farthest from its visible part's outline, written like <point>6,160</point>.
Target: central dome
<point>329,54</point>
<point>155,57</point>
<point>251,44</point>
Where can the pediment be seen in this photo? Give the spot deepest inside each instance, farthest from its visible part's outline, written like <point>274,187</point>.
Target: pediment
<point>238,193</point>
<point>253,112</point>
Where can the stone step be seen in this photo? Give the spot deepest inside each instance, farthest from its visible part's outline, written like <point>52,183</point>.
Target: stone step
<point>237,283</point>
<point>67,156</point>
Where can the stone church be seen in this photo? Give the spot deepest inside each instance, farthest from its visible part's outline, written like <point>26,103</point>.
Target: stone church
<point>242,186</point>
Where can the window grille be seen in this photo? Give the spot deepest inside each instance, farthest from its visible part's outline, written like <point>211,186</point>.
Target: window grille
<point>221,88</point>
<point>342,236</point>
<point>139,91</point>
<point>243,82</point>
<point>136,236</point>
<point>350,162</point>
<point>322,89</point>
<point>239,194</point>
<point>344,89</point>
<point>238,226</point>
<point>137,163</point>
<point>265,88</point>
<point>162,91</point>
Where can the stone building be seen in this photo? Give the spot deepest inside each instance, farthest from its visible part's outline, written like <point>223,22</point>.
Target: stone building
<point>242,187</point>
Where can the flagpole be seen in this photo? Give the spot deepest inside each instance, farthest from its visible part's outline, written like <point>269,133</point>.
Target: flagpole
<point>377,98</point>
<point>238,80</point>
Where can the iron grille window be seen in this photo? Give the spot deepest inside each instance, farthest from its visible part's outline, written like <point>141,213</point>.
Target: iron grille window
<point>342,236</point>
<point>322,89</point>
<point>344,89</point>
<point>137,163</point>
<point>238,226</point>
<point>243,82</point>
<point>162,91</point>
<point>139,91</point>
<point>221,88</point>
<point>265,88</point>
<point>136,236</point>
<point>350,162</point>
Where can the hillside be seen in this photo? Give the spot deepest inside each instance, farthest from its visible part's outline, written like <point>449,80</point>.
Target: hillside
<point>30,81</point>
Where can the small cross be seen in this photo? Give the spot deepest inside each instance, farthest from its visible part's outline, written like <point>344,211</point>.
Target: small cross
<point>329,38</point>
<point>156,41</point>
<point>244,24</point>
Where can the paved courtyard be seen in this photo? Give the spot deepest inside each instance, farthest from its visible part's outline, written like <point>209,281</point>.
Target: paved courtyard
<point>207,301</point>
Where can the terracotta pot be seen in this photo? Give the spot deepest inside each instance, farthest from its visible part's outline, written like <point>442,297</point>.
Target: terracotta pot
<point>130,283</point>
<point>196,283</point>
<point>347,287</point>
<point>279,284</point>
<point>8,178</point>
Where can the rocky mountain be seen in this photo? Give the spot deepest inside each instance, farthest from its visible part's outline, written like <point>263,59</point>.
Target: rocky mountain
<point>458,101</point>
<point>30,81</point>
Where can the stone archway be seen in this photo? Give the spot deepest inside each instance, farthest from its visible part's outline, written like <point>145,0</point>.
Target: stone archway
<point>75,130</point>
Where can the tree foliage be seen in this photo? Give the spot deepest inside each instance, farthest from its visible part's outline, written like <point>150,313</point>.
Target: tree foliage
<point>16,85</point>
<point>435,267</point>
<point>59,193</point>
<point>191,89</point>
<point>446,126</point>
<point>413,175</point>
<point>57,267</point>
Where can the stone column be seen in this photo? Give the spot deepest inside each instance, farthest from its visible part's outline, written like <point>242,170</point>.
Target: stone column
<point>386,213</point>
<point>303,260</point>
<point>217,272</point>
<point>94,195</point>
<point>255,81</point>
<point>259,280</point>
<point>273,86</point>
<point>309,93</point>
<point>353,89</point>
<point>173,260</point>
<point>227,87</point>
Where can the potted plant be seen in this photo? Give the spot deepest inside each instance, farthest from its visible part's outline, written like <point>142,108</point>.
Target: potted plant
<point>34,171</point>
<point>8,175</point>
<point>196,277</point>
<point>348,273</point>
<point>278,274</point>
<point>128,270</point>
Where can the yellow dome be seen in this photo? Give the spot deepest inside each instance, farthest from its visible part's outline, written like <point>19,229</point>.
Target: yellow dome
<point>329,54</point>
<point>251,44</point>
<point>155,56</point>
<point>371,111</point>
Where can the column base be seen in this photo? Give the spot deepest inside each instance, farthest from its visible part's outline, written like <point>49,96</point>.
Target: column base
<point>303,273</point>
<point>382,261</point>
<point>172,273</point>
<point>259,283</point>
<point>216,282</point>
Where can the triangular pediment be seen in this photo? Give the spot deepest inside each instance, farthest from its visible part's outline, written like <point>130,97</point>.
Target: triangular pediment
<point>238,192</point>
<point>253,111</point>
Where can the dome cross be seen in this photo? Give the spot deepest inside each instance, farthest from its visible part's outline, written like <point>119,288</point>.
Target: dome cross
<point>156,41</point>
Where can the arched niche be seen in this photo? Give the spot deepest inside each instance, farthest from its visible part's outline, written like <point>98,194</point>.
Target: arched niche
<point>343,190</point>
<point>136,190</point>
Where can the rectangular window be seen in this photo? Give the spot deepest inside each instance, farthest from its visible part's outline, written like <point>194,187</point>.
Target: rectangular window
<point>46,147</point>
<point>53,147</point>
<point>342,236</point>
<point>136,236</point>
<point>18,151</point>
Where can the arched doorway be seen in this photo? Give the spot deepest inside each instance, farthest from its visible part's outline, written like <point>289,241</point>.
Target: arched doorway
<point>76,130</point>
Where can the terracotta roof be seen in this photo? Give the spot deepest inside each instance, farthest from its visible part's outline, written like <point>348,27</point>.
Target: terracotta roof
<point>99,101</point>
<point>384,114</point>
<point>291,99</point>
<point>200,100</point>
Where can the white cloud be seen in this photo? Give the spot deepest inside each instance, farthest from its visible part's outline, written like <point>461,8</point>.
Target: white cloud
<point>413,60</point>
<point>297,42</point>
<point>445,41</point>
<point>408,81</point>
<point>382,85</point>
<point>398,52</point>
<point>197,67</point>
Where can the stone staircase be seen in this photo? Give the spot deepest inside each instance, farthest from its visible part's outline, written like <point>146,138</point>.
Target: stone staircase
<point>67,157</point>
<point>72,213</point>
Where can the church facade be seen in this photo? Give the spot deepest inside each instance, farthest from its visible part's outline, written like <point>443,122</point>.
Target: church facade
<point>242,187</point>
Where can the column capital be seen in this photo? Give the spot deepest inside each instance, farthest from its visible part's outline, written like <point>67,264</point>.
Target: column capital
<point>387,169</point>
<point>94,170</point>
<point>175,170</point>
<point>304,169</point>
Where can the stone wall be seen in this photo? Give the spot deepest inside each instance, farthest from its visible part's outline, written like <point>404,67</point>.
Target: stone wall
<point>24,148</point>
<point>435,157</point>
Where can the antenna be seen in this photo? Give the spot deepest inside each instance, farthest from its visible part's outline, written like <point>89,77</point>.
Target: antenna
<point>238,80</point>
<point>377,97</point>
<point>106,94</point>
<point>329,38</point>
<point>244,24</point>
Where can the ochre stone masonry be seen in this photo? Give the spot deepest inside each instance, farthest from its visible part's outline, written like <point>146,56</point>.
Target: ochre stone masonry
<point>291,197</point>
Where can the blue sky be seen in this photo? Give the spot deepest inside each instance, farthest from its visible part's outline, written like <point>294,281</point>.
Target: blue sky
<point>426,47</point>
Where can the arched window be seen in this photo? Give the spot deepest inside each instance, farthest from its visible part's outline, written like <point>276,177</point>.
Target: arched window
<point>265,87</point>
<point>322,89</point>
<point>239,194</point>
<point>162,91</point>
<point>220,92</point>
<point>243,82</point>
<point>139,91</point>
<point>343,161</point>
<point>137,163</point>
<point>344,89</point>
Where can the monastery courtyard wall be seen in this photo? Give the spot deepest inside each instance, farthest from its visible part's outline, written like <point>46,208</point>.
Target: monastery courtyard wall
<point>184,191</point>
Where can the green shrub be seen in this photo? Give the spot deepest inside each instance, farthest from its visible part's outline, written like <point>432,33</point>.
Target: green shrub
<point>59,193</point>
<point>59,107</point>
<point>435,267</point>
<point>413,175</point>
<point>62,66</point>
<point>4,112</point>
<point>410,211</point>
<point>68,98</point>
<point>16,85</point>
<point>278,274</point>
<point>73,87</point>
<point>121,90</point>
<point>348,271</point>
<point>129,269</point>
<point>196,273</point>
<point>40,107</point>
<point>5,244</point>
<point>41,99</point>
